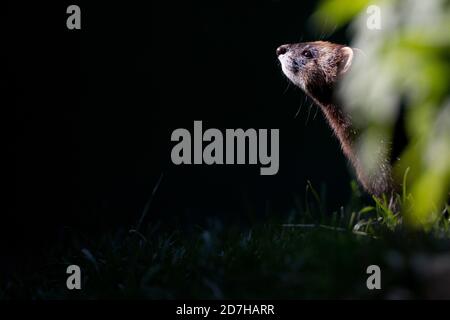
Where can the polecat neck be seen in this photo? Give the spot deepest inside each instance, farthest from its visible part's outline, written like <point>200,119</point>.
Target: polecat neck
<point>378,181</point>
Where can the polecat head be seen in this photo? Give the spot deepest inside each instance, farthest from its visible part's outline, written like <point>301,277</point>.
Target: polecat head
<point>315,66</point>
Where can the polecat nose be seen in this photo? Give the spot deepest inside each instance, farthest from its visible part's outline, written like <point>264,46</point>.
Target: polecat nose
<point>282,49</point>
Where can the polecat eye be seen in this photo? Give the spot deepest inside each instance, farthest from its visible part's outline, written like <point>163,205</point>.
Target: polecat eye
<point>306,53</point>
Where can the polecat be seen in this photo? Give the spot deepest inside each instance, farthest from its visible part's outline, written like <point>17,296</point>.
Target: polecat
<point>316,67</point>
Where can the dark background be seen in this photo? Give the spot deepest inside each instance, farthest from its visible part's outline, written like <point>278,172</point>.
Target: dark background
<point>89,114</point>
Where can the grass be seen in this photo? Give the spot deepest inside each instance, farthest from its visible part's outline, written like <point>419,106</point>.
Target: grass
<point>311,254</point>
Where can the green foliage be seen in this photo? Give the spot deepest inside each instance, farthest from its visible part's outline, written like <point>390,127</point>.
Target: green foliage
<point>406,62</point>
<point>338,12</point>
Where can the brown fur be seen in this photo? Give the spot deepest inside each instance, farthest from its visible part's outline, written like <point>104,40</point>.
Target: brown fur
<point>316,68</point>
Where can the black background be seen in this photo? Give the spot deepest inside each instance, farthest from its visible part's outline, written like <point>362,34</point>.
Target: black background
<point>89,113</point>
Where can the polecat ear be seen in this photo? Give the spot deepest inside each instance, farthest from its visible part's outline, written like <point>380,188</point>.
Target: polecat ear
<point>346,62</point>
